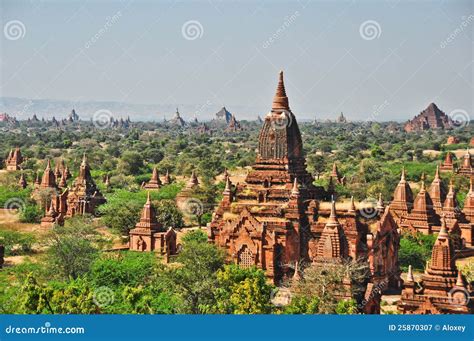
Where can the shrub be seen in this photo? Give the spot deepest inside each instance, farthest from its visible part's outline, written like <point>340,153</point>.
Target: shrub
<point>17,243</point>
<point>31,213</point>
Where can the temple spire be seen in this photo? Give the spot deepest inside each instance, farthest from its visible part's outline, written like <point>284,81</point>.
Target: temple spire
<point>295,190</point>
<point>352,207</point>
<point>280,101</point>
<point>410,277</point>
<point>437,173</point>
<point>333,217</point>
<point>460,280</point>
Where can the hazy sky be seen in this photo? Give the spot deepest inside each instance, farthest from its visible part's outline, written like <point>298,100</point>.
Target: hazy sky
<point>370,59</point>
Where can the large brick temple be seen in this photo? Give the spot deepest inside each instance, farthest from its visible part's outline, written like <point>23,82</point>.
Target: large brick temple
<point>274,219</point>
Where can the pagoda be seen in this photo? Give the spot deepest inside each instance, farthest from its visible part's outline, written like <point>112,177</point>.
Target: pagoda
<point>422,217</point>
<point>262,222</point>
<point>336,175</point>
<point>149,235</point>
<point>14,160</point>
<point>437,192</point>
<point>177,120</point>
<point>447,165</point>
<point>22,182</point>
<point>468,208</point>
<point>402,202</point>
<point>167,178</point>
<point>442,289</point>
<point>155,182</point>
<point>48,180</point>
<point>466,166</point>
<point>84,196</point>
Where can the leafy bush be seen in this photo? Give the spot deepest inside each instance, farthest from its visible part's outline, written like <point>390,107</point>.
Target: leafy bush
<point>17,243</point>
<point>31,213</point>
<point>126,268</point>
<point>415,250</point>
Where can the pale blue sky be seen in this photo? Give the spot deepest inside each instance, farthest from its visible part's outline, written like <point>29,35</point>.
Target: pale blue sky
<point>141,56</point>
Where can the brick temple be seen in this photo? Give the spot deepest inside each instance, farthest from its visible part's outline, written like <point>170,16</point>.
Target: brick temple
<point>442,288</point>
<point>14,160</point>
<point>81,198</point>
<point>149,234</point>
<point>274,219</point>
<point>424,212</point>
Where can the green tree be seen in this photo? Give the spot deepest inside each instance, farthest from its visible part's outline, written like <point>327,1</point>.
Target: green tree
<point>130,163</point>
<point>243,291</point>
<point>195,279</point>
<point>73,247</point>
<point>168,213</point>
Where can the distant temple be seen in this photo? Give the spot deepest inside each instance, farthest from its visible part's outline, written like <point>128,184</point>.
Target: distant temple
<point>273,219</point>
<point>73,117</point>
<point>430,118</point>
<point>14,160</point>
<point>233,125</point>
<point>341,119</point>
<point>177,120</point>
<point>224,114</point>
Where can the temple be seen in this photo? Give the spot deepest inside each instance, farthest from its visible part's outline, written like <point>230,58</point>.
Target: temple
<point>447,165</point>
<point>425,213</point>
<point>84,196</point>
<point>466,166</point>
<point>274,219</point>
<point>14,160</point>
<point>155,182</point>
<point>442,289</point>
<point>149,235</point>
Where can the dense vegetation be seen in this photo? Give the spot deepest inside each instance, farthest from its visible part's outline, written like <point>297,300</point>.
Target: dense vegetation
<point>73,276</point>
